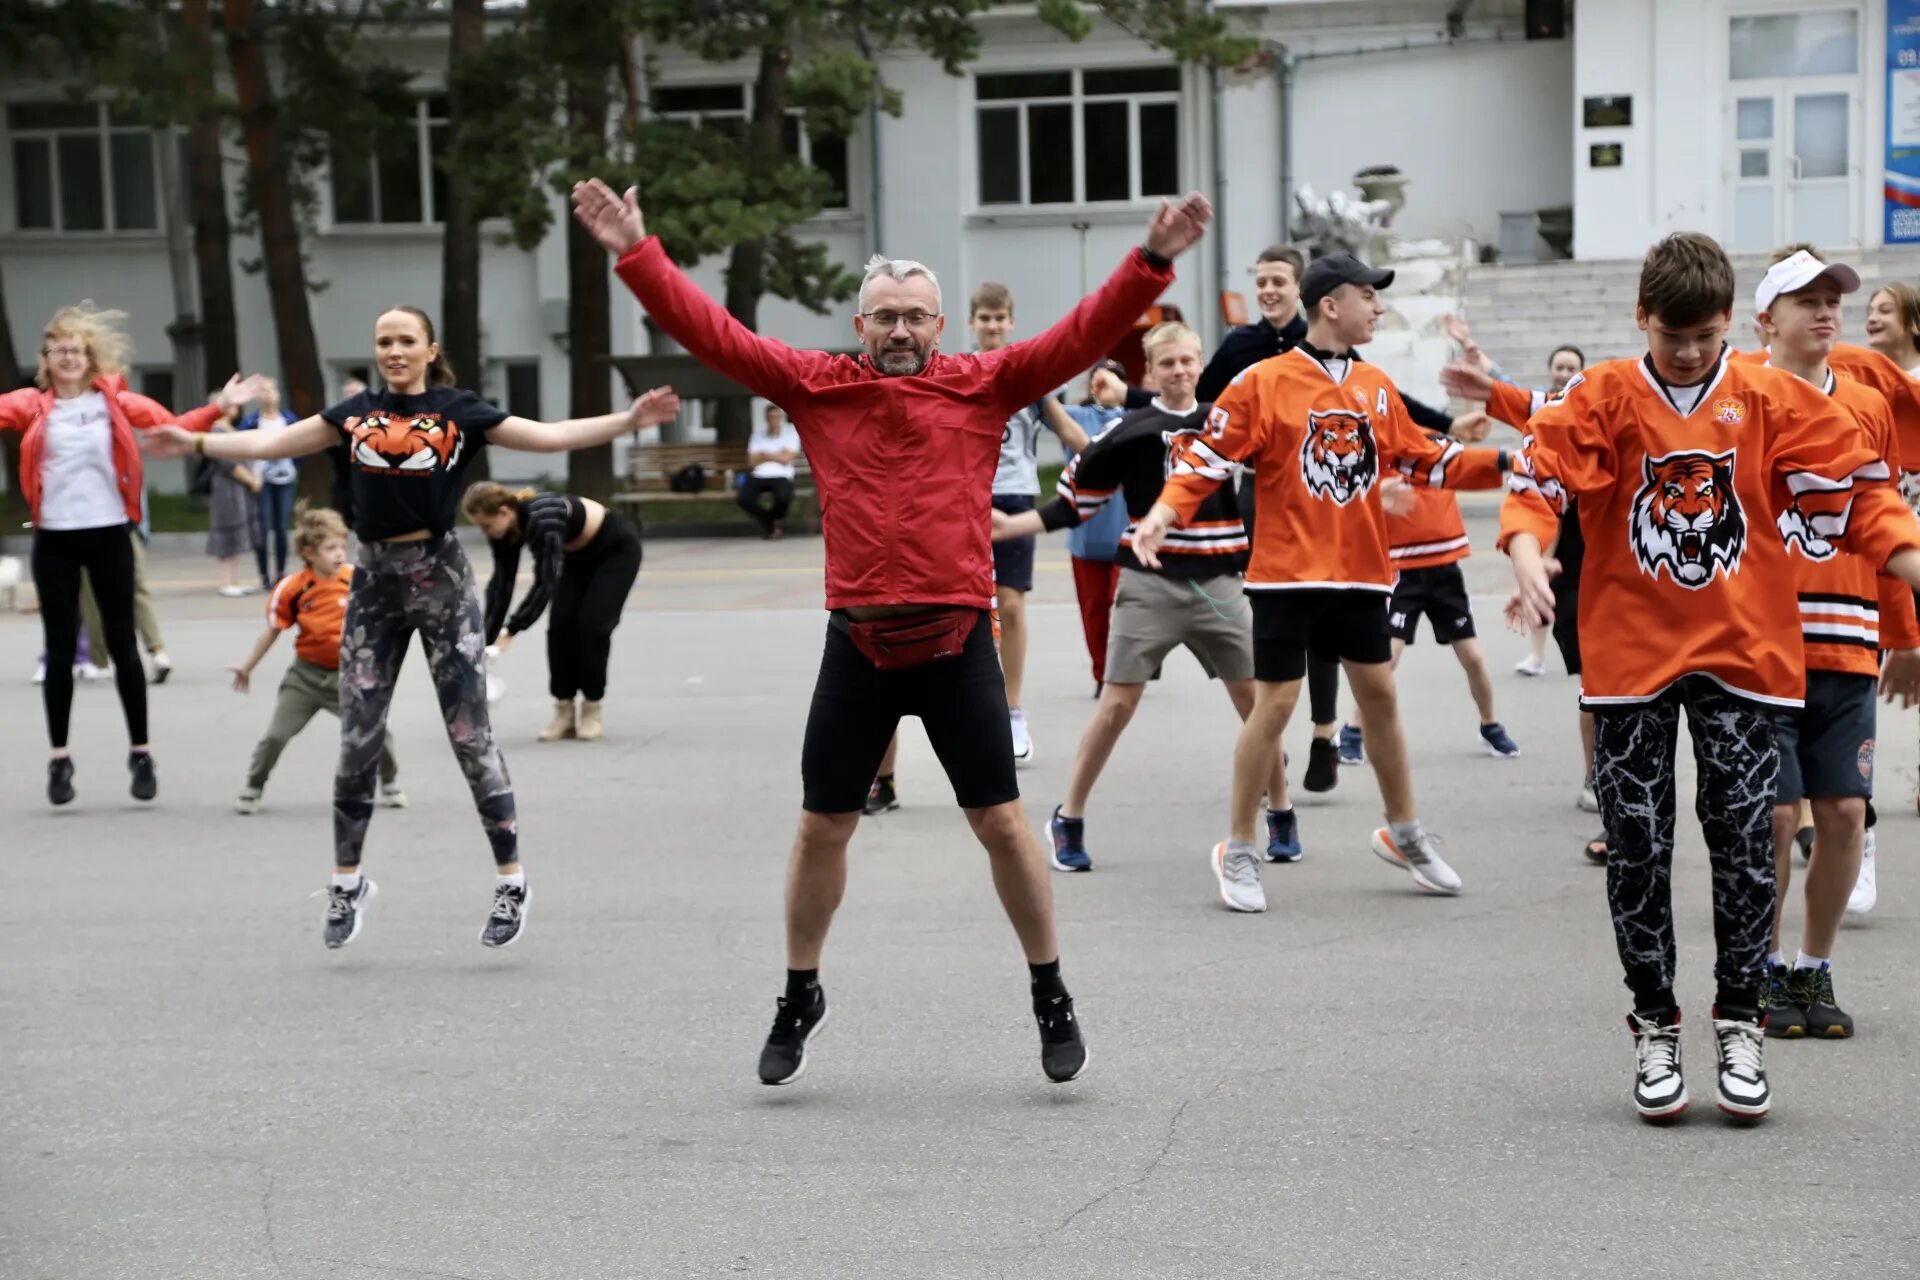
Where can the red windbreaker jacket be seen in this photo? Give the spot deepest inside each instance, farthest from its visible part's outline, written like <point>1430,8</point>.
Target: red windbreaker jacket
<point>904,465</point>
<point>26,411</point>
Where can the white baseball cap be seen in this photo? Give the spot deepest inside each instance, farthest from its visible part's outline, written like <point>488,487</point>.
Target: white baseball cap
<point>1790,275</point>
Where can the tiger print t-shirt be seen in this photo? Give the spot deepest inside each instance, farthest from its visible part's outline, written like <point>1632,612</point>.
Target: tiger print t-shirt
<point>409,456</point>
<point>1680,505</point>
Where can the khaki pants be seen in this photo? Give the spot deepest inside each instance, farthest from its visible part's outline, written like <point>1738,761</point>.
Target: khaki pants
<point>307,688</point>
<point>145,620</point>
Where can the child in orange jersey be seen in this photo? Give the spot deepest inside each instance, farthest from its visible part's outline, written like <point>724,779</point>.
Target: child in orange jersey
<point>1847,612</point>
<point>1321,428</point>
<point>1682,463</point>
<point>315,601</point>
<point>1426,548</point>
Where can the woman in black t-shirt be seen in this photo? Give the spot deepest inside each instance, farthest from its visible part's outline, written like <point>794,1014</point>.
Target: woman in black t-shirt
<point>410,444</point>
<point>585,559</point>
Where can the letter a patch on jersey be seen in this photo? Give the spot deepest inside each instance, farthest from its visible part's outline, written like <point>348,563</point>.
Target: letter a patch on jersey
<point>1338,459</point>
<point>1687,518</point>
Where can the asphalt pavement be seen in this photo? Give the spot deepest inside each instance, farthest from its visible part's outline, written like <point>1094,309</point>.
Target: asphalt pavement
<point>1362,1082</point>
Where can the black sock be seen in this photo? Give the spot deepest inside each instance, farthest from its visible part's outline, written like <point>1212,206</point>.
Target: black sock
<point>1656,1005</point>
<point>1737,1003</point>
<point>801,984</point>
<point>1046,979</point>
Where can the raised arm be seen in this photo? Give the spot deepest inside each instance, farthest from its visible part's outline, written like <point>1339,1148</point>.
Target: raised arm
<point>657,406</point>
<point>1025,371</point>
<point>768,368</point>
<point>309,435</point>
<point>1061,423</point>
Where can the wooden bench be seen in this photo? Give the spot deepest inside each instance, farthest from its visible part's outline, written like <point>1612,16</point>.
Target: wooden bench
<point>651,468</point>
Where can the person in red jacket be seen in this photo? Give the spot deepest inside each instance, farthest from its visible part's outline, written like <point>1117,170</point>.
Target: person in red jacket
<point>903,440</point>
<point>80,473</point>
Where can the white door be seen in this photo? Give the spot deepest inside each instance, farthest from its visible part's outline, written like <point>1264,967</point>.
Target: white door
<point>1795,128</point>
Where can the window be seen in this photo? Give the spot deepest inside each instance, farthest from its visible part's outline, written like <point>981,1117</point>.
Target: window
<point>82,166</point>
<point>156,383</point>
<point>1795,44</point>
<point>724,106</point>
<point>1078,137</point>
<point>519,384</point>
<point>396,177</point>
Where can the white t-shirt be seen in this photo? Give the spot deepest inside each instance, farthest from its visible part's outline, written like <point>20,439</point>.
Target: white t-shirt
<point>79,488</point>
<point>276,470</point>
<point>761,442</point>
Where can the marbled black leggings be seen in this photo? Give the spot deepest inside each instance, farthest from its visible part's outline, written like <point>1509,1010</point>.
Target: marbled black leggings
<point>1634,757</point>
<point>398,589</point>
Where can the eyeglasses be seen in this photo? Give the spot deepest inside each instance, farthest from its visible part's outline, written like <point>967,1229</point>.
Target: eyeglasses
<point>66,351</point>
<point>913,319</point>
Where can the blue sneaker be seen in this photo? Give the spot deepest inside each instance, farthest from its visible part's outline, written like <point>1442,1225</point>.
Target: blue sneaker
<point>1351,750</point>
<point>1495,740</point>
<point>1069,843</point>
<point>1283,836</point>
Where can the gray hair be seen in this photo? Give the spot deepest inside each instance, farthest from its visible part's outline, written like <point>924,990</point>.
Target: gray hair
<point>898,269</point>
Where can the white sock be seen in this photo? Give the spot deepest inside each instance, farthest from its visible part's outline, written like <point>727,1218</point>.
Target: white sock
<point>349,882</point>
<point>1811,962</point>
<point>1015,713</point>
<point>518,879</point>
<point>1775,960</point>
<point>1405,834</point>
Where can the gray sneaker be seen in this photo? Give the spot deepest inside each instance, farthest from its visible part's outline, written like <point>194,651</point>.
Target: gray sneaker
<point>1422,860</point>
<point>1239,876</point>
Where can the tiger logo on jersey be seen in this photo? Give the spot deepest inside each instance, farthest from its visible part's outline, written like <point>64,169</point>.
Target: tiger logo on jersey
<point>1338,459</point>
<point>384,441</point>
<point>1687,518</point>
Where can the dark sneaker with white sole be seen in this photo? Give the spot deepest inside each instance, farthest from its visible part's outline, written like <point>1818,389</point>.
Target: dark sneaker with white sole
<point>1659,1090</point>
<point>508,920</point>
<point>144,785</point>
<point>1741,1082</point>
<point>1786,1002</point>
<point>1069,843</point>
<point>1063,1054</point>
<point>794,1025</point>
<point>347,911</point>
<point>1826,1020</point>
<point>1283,836</point>
<point>60,780</point>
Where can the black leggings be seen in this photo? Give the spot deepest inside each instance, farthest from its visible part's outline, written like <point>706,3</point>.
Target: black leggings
<point>586,608</point>
<point>106,554</point>
<point>1323,688</point>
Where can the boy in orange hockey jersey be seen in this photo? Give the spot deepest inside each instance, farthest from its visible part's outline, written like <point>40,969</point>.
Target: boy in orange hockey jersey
<point>1320,428</point>
<point>1681,463</point>
<point>1847,612</point>
<point>1427,545</point>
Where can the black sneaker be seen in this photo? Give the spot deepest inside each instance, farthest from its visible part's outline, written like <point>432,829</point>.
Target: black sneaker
<point>1323,770</point>
<point>508,919</point>
<point>1069,843</point>
<point>145,786</point>
<point>1659,1090</point>
<point>1787,993</point>
<point>1741,1082</point>
<point>881,797</point>
<point>1825,1018</point>
<point>60,780</point>
<point>1063,1054</point>
<point>347,910</point>
<point>1804,838</point>
<point>785,1055</point>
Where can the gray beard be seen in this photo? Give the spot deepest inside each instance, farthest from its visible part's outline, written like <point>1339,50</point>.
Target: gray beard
<point>901,363</point>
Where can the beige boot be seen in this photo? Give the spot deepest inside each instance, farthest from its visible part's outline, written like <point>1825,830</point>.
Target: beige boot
<point>590,726</point>
<point>562,726</point>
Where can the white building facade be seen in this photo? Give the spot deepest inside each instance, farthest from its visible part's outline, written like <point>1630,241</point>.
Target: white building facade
<point>1754,120</point>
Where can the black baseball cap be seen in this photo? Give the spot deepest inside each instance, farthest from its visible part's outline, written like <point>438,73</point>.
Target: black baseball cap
<point>1324,275</point>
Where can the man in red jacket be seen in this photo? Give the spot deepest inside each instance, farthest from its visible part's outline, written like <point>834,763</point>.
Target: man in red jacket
<point>903,441</point>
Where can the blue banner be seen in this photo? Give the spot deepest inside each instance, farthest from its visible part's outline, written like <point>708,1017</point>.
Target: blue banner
<point>1903,122</point>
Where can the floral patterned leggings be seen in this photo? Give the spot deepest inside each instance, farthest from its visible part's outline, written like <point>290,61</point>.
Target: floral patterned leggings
<point>398,589</point>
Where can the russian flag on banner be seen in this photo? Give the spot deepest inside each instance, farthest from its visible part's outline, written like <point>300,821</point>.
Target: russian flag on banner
<point>1903,189</point>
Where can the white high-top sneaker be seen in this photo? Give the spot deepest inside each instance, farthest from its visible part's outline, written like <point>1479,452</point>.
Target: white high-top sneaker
<point>1865,891</point>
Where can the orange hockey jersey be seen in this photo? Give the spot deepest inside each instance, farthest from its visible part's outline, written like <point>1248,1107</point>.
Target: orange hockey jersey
<point>1318,446</point>
<point>1686,572</point>
<point>1868,367</point>
<point>1848,610</point>
<point>1430,535</point>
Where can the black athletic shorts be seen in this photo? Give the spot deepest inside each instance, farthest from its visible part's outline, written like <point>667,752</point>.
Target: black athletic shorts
<point>1826,748</point>
<point>961,702</point>
<point>1438,591</point>
<point>1566,622</point>
<point>1333,624</point>
<point>1013,559</point>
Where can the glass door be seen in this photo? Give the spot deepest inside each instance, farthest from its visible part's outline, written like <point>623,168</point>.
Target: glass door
<point>1792,171</point>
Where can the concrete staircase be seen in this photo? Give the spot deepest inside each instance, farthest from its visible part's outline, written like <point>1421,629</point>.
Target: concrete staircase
<point>1520,314</point>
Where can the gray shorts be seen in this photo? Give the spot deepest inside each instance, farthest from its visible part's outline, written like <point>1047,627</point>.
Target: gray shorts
<point>1154,615</point>
<point>1826,748</point>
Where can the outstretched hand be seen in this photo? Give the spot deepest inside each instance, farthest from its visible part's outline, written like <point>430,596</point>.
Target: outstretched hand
<point>1471,428</point>
<point>658,406</point>
<point>166,441</point>
<point>242,679</point>
<point>1466,381</point>
<point>614,221</point>
<point>1175,227</point>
